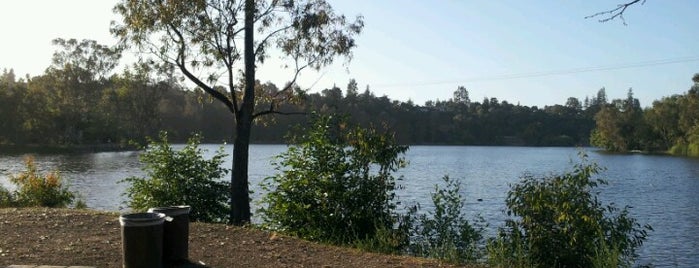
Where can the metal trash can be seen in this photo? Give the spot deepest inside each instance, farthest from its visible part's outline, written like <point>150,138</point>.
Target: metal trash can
<point>142,239</point>
<point>175,234</point>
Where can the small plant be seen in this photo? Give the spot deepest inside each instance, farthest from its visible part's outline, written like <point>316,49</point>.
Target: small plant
<point>336,185</point>
<point>508,249</point>
<point>6,198</point>
<point>37,190</point>
<point>560,222</point>
<point>445,233</point>
<point>80,204</point>
<point>181,177</point>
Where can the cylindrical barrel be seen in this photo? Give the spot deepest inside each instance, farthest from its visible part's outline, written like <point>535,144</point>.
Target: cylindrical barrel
<point>142,239</point>
<point>176,234</point>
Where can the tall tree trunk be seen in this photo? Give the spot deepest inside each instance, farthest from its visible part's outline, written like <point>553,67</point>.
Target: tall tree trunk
<point>240,200</point>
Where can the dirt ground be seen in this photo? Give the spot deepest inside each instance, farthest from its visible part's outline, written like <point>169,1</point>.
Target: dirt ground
<point>40,236</point>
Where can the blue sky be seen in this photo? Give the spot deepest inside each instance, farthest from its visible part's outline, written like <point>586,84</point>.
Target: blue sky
<point>529,52</point>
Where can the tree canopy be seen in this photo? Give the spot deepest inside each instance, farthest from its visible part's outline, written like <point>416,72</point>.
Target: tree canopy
<point>201,38</point>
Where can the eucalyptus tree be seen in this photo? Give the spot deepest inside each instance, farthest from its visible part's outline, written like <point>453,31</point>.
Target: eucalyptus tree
<point>78,73</point>
<point>207,40</point>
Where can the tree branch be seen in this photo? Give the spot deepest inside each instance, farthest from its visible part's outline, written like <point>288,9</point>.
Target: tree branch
<point>617,12</point>
<point>182,65</point>
<point>262,43</point>
<point>269,10</point>
<point>277,112</point>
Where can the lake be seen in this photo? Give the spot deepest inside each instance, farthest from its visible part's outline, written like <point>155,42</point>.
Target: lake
<point>662,190</point>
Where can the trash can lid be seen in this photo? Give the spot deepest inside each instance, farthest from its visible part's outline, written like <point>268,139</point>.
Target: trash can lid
<point>141,219</point>
<point>172,211</point>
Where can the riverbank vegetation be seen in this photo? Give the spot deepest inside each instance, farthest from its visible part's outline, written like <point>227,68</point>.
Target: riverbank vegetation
<point>335,185</point>
<point>559,221</point>
<point>50,110</point>
<point>180,176</point>
<point>38,190</point>
<point>671,125</point>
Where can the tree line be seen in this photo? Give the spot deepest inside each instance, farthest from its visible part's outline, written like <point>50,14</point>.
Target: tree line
<point>63,108</point>
<point>670,125</point>
<point>80,100</point>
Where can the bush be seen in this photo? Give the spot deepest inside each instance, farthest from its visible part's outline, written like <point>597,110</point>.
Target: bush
<point>336,185</point>
<point>559,222</point>
<point>6,198</point>
<point>181,177</point>
<point>445,233</point>
<point>37,190</point>
<point>685,149</point>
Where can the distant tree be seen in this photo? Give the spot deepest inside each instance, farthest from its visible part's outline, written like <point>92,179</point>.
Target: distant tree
<point>134,97</point>
<point>11,95</point>
<point>620,126</point>
<point>596,103</point>
<point>607,133</point>
<point>461,96</point>
<point>601,98</point>
<point>85,60</point>
<point>663,119</point>
<point>78,71</point>
<point>574,104</point>
<point>203,37</point>
<point>352,88</point>
<point>8,78</point>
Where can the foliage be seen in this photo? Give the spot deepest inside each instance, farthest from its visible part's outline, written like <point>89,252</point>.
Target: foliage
<point>37,190</point>
<point>619,125</point>
<point>201,39</point>
<point>509,249</point>
<point>138,95</point>
<point>670,125</point>
<point>30,114</point>
<point>181,177</point>
<point>335,184</point>
<point>6,197</point>
<point>559,222</point>
<point>446,233</point>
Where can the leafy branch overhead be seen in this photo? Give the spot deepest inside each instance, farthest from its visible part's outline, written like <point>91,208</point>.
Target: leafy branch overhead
<point>203,39</point>
<point>614,13</point>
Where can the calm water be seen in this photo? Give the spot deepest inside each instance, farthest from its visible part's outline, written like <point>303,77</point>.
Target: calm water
<point>662,190</point>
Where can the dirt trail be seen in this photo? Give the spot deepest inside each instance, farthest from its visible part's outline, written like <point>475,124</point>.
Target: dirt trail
<point>83,237</point>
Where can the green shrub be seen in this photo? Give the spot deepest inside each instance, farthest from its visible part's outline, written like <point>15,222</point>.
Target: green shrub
<point>445,233</point>
<point>6,198</point>
<point>36,190</point>
<point>336,185</point>
<point>509,249</point>
<point>181,177</point>
<point>559,222</point>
